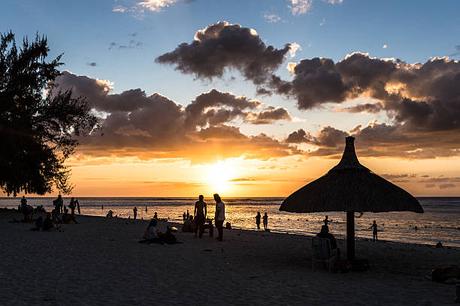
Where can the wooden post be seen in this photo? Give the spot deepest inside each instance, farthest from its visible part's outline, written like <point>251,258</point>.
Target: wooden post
<point>350,235</point>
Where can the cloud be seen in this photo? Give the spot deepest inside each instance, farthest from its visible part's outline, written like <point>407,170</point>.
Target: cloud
<point>224,46</point>
<point>156,5</point>
<point>300,7</point>
<point>299,136</point>
<point>120,9</point>
<point>333,1</point>
<point>92,64</point>
<point>272,18</point>
<point>385,46</point>
<point>293,48</point>
<point>157,127</point>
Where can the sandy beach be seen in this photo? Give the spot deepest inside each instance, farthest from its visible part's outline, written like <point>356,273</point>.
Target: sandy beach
<point>100,262</point>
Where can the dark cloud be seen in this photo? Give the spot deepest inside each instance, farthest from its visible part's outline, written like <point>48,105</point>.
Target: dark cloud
<point>364,108</point>
<point>92,64</point>
<point>155,126</point>
<point>268,115</point>
<point>224,45</point>
<point>299,136</point>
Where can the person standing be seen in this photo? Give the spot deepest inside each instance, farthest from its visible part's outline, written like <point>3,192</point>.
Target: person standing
<point>258,216</point>
<point>219,216</point>
<point>72,206</point>
<point>135,212</point>
<point>265,221</point>
<point>58,204</point>
<point>78,206</point>
<point>199,215</point>
<point>374,231</point>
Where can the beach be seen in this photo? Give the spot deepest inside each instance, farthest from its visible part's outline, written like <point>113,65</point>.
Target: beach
<point>100,262</point>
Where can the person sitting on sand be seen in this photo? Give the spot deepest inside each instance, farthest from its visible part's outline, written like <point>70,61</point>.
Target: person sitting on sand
<point>258,216</point>
<point>109,214</point>
<point>265,220</point>
<point>168,237</point>
<point>374,231</point>
<point>68,218</point>
<point>324,233</point>
<point>200,215</point>
<point>151,233</point>
<point>38,224</point>
<point>48,223</point>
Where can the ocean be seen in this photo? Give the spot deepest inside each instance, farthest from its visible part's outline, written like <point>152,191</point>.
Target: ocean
<point>440,222</point>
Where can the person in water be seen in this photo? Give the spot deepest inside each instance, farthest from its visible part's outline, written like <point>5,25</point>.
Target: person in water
<point>219,216</point>
<point>135,212</point>
<point>258,217</point>
<point>265,220</point>
<point>374,231</point>
<point>199,214</point>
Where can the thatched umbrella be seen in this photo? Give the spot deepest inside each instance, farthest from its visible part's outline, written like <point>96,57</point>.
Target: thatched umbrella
<point>350,187</point>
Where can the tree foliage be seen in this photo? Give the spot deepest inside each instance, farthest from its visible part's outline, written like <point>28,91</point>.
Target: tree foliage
<point>39,125</point>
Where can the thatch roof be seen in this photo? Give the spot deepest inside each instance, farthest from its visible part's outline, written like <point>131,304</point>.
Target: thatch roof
<point>350,186</point>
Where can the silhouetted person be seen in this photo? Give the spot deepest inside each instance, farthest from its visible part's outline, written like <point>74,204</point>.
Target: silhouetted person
<point>135,212</point>
<point>59,204</point>
<point>72,206</point>
<point>199,214</point>
<point>48,223</point>
<point>23,203</point>
<point>151,233</point>
<point>146,208</point>
<point>374,231</point>
<point>327,221</point>
<point>184,217</point>
<point>324,233</point>
<point>78,206</point>
<point>109,214</point>
<point>188,215</point>
<point>258,217</point>
<point>155,216</point>
<point>219,216</point>
<point>265,220</point>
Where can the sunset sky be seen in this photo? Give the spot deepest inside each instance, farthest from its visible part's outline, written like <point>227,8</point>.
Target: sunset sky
<point>255,97</point>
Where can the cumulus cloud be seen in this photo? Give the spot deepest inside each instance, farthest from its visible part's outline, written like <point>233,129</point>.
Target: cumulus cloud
<point>300,7</point>
<point>224,46</point>
<point>155,126</point>
<point>156,5</point>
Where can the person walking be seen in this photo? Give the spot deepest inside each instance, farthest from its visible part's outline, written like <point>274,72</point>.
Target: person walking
<point>219,216</point>
<point>265,220</point>
<point>374,231</point>
<point>135,212</point>
<point>258,217</point>
<point>199,215</point>
<point>78,206</point>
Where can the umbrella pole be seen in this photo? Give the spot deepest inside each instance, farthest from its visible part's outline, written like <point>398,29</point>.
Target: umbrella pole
<point>350,235</point>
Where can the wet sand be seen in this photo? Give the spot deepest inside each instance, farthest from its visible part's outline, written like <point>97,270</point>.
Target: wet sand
<point>100,262</point>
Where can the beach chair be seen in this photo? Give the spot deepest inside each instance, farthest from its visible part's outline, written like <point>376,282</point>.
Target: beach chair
<point>323,253</point>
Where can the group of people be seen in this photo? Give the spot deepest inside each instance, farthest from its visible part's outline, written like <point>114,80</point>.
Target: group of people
<point>264,220</point>
<point>200,216</point>
<point>59,215</point>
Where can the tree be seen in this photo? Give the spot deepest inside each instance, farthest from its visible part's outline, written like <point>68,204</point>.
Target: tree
<point>39,125</point>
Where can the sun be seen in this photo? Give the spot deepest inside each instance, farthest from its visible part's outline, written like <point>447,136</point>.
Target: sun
<point>219,176</point>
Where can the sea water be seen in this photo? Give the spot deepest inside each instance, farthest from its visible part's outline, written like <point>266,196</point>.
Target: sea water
<point>440,222</point>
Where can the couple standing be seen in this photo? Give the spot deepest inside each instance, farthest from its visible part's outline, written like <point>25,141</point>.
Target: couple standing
<point>200,215</point>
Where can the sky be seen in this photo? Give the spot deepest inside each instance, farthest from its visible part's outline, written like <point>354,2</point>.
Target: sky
<point>255,97</point>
